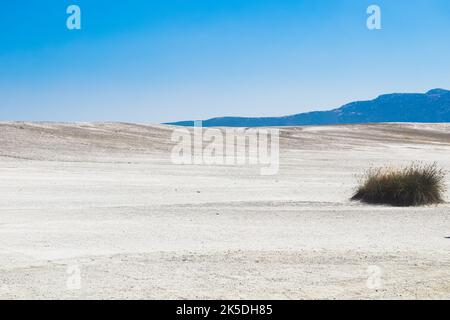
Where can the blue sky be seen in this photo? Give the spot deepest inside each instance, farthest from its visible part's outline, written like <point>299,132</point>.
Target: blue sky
<point>167,60</point>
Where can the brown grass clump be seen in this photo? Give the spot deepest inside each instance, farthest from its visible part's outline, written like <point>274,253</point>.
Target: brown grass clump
<point>415,185</point>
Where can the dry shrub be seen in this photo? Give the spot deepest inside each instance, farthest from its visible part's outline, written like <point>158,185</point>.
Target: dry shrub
<point>415,185</point>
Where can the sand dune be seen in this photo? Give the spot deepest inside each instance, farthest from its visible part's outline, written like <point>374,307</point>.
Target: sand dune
<point>106,199</point>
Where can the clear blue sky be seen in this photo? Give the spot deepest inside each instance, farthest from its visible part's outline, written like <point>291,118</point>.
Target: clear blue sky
<point>167,60</point>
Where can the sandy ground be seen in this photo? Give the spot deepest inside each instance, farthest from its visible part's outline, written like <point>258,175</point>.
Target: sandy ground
<point>105,200</point>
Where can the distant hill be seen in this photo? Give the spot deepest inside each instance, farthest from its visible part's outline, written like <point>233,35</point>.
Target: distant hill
<point>432,107</point>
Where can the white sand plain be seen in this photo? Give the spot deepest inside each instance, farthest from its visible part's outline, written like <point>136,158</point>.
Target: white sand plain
<point>106,199</point>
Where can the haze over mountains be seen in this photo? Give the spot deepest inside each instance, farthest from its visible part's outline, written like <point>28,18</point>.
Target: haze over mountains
<point>430,107</point>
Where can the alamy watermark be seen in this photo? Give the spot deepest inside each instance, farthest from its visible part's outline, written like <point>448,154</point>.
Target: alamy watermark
<point>373,22</point>
<point>73,281</point>
<point>374,19</point>
<point>73,22</point>
<point>374,278</point>
<point>227,147</point>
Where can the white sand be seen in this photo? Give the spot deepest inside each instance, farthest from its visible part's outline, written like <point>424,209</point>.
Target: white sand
<point>105,198</point>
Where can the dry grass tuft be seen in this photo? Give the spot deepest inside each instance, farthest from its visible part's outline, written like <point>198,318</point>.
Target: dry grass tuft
<point>415,185</point>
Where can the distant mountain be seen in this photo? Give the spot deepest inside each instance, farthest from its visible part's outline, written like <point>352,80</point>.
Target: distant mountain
<point>433,106</point>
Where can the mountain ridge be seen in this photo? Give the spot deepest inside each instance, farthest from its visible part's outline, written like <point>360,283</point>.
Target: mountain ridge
<point>432,106</point>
